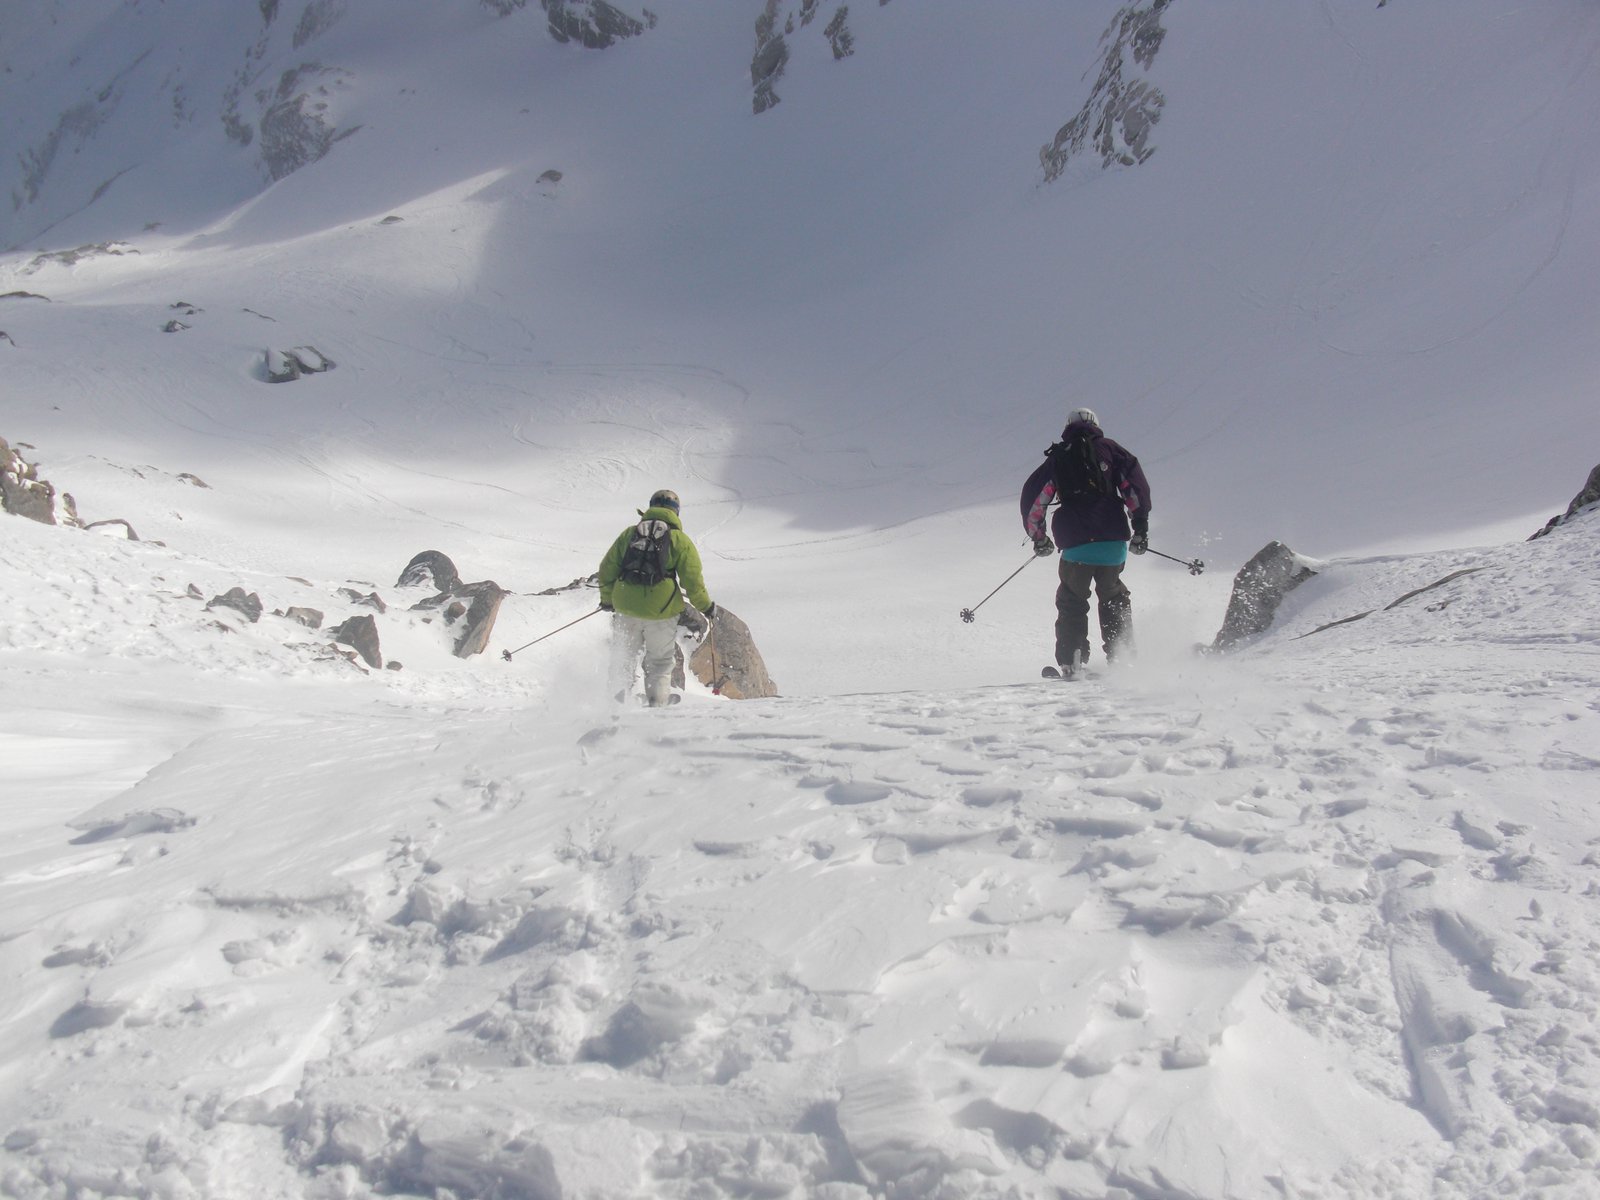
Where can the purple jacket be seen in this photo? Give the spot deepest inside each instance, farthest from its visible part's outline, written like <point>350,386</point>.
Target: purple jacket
<point>1082,519</point>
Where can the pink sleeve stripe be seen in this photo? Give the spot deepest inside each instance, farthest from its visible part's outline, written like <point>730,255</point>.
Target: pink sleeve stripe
<point>1036,514</point>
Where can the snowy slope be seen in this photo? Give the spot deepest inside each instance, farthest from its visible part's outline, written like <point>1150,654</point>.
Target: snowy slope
<point>1356,272</point>
<point>1312,920</point>
<point>1316,919</point>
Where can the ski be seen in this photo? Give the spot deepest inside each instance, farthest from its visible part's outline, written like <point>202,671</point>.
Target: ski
<point>1055,673</point>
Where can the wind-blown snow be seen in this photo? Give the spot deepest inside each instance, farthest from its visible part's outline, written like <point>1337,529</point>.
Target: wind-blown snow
<point>1316,919</point>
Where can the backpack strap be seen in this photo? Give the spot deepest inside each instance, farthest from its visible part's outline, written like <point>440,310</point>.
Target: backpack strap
<point>1076,469</point>
<point>672,572</point>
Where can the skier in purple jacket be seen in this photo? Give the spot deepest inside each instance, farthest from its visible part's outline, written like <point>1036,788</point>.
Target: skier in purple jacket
<point>1101,490</point>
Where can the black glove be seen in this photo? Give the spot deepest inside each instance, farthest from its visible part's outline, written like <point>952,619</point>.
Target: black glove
<point>1139,543</point>
<point>1043,547</point>
<point>605,606</point>
<point>709,612</point>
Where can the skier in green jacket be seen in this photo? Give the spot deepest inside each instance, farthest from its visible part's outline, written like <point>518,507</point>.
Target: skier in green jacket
<point>645,577</point>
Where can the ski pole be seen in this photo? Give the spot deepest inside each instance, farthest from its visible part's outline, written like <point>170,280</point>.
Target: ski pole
<point>1194,564</point>
<point>716,679</point>
<point>506,654</point>
<point>969,615</point>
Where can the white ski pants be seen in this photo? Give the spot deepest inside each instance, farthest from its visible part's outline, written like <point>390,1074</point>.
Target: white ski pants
<point>656,640</point>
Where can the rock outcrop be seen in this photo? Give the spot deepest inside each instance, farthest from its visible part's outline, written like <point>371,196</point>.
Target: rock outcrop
<point>1258,590</point>
<point>594,24</point>
<point>1122,110</point>
<point>478,622</point>
<point>284,366</point>
<point>246,603</point>
<point>776,26</point>
<point>430,567</point>
<point>22,492</point>
<point>311,618</point>
<point>361,635</point>
<point>1590,494</point>
<point>298,128</point>
<point>364,599</point>
<point>728,661</point>
<point>469,609</point>
<point>127,529</point>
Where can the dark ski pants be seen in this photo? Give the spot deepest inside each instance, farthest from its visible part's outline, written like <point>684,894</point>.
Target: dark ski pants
<point>1072,610</point>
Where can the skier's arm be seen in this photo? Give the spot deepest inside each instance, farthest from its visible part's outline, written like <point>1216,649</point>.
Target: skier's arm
<point>1037,493</point>
<point>611,566</point>
<point>690,577</point>
<point>1136,494</point>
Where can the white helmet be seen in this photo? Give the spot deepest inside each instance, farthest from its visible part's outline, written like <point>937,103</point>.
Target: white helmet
<point>1083,416</point>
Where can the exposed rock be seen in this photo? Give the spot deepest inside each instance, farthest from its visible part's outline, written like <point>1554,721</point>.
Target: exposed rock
<point>775,30</point>
<point>1438,606</point>
<point>6,337</point>
<point>838,34</point>
<point>329,652</point>
<point>69,512</point>
<point>728,661</point>
<point>127,529</point>
<point>769,60</point>
<point>193,480</point>
<point>430,566</point>
<point>22,492</point>
<point>318,17</point>
<point>476,605</point>
<point>23,296</point>
<point>309,617</point>
<point>312,361</point>
<point>594,23</point>
<point>394,664</point>
<point>240,601</point>
<point>1258,590</point>
<point>551,176</point>
<point>296,129</point>
<point>174,327</point>
<point>1589,495</point>
<point>361,635</point>
<point>194,593</point>
<point>370,600</point>
<point>391,219</point>
<point>282,366</point>
<point>582,582</point>
<point>480,618</point>
<point>71,258</point>
<point>1117,118</point>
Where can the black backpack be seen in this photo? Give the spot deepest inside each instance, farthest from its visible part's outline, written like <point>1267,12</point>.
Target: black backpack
<point>646,561</point>
<point>1077,469</point>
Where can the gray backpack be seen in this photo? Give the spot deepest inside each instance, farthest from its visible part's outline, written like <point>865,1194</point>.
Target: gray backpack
<point>647,560</point>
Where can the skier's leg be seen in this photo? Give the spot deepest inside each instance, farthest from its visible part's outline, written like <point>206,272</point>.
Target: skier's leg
<point>660,644</point>
<point>1072,613</point>
<point>1116,611</point>
<point>627,640</point>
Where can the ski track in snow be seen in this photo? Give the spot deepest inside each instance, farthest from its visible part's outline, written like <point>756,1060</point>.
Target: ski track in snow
<point>1041,939</point>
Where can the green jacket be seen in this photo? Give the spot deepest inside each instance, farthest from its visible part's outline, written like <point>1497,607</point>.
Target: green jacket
<point>665,599</point>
